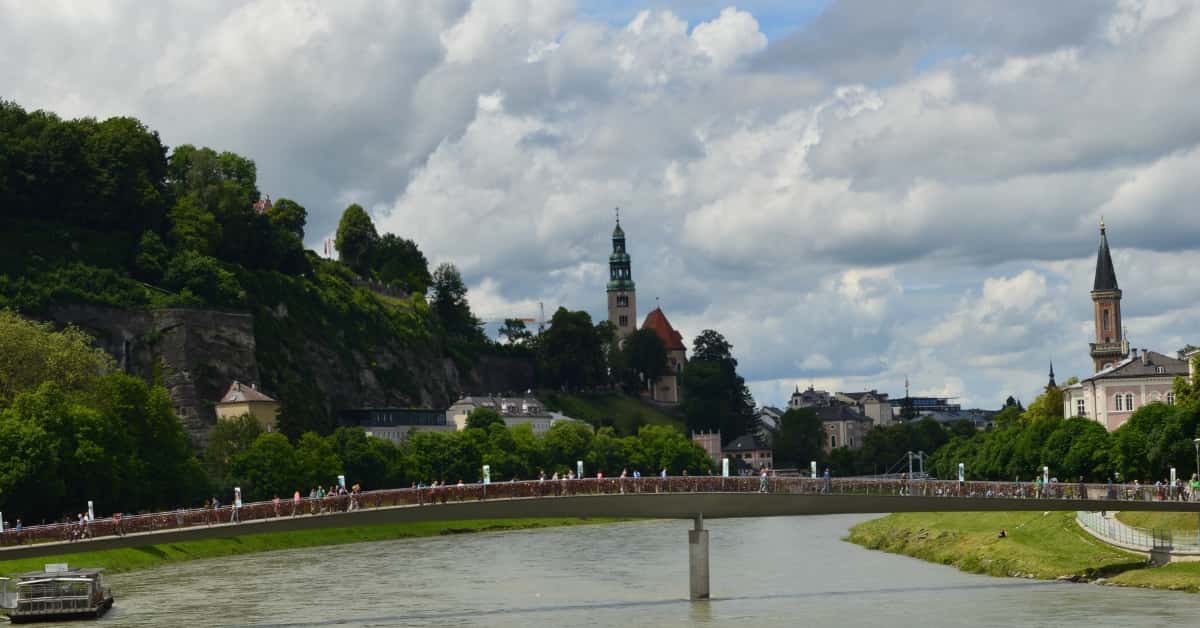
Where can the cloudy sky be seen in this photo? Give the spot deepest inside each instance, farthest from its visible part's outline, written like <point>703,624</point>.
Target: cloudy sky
<point>852,192</point>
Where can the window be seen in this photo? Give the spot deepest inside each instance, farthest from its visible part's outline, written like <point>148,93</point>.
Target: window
<point>1160,369</point>
<point>1080,408</point>
<point>1170,399</point>
<point>1128,401</point>
<point>833,441</point>
<point>1117,402</point>
<point>622,300</point>
<point>622,321</point>
<point>1106,326</point>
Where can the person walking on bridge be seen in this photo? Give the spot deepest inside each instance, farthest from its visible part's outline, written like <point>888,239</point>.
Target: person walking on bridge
<point>762,480</point>
<point>828,484</point>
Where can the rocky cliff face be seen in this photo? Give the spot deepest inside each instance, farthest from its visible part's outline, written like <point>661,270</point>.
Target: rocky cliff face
<point>196,353</point>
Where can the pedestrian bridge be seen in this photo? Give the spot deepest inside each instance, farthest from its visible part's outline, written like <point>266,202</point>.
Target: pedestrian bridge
<point>693,498</point>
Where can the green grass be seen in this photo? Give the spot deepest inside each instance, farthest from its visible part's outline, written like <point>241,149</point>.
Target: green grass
<point>1039,545</point>
<point>626,414</point>
<point>1175,576</point>
<point>1184,522</point>
<point>119,560</point>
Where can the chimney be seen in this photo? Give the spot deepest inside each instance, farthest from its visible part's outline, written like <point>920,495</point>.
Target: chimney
<point>237,385</point>
<point>253,386</point>
<point>1145,356</point>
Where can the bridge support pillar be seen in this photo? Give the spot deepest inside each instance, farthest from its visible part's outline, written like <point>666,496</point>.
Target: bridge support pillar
<point>698,560</point>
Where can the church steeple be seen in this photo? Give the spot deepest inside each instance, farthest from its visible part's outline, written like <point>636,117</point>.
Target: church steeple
<point>1051,383</point>
<point>1106,277</point>
<point>622,293</point>
<point>1110,346</point>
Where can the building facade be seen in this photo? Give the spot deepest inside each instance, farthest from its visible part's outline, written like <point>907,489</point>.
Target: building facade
<point>242,399</point>
<point>396,424</point>
<point>871,403</point>
<point>752,454</point>
<point>665,389</point>
<point>526,410</point>
<point>1125,379</point>
<point>843,425</point>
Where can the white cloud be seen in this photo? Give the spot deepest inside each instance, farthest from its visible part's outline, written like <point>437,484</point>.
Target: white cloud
<point>893,190</point>
<point>730,37</point>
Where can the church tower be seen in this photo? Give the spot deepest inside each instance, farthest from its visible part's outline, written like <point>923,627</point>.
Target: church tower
<point>1110,346</point>
<point>622,295</point>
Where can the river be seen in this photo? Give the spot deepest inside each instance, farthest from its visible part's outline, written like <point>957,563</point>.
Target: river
<point>765,572</point>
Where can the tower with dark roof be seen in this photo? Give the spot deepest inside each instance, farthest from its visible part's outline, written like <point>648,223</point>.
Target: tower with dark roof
<point>1109,347</point>
<point>622,294</point>
<point>1051,383</point>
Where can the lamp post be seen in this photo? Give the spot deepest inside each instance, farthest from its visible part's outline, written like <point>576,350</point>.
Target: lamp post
<point>910,464</point>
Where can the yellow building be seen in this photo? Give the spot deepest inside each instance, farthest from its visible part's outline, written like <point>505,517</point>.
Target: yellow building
<point>243,399</point>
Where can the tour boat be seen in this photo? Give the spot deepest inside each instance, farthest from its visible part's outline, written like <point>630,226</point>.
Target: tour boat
<point>56,594</point>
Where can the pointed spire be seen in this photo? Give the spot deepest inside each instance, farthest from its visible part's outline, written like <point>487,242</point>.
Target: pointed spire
<point>1106,277</point>
<point>1052,383</point>
<point>618,232</point>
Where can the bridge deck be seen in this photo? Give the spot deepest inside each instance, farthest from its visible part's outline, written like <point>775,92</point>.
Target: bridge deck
<point>650,498</point>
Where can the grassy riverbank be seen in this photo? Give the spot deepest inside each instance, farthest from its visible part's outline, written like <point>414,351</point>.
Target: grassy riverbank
<point>1038,545</point>
<point>1181,522</point>
<point>116,561</point>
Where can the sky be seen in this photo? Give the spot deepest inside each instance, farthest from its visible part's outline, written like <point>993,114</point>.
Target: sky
<point>853,193</point>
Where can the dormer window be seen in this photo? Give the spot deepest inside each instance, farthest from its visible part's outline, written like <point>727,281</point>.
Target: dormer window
<point>1160,369</point>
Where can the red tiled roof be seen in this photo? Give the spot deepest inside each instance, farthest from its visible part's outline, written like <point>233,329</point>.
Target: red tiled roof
<point>657,321</point>
<point>239,392</point>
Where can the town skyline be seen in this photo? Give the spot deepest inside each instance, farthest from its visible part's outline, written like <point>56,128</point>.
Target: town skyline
<point>845,215</point>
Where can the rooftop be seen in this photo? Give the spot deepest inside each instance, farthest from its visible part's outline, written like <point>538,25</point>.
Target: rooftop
<point>839,412</point>
<point>657,321</point>
<point>240,393</point>
<point>1149,364</point>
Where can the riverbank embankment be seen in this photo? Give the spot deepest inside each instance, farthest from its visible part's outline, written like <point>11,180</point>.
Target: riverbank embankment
<point>121,560</point>
<point>1046,546</point>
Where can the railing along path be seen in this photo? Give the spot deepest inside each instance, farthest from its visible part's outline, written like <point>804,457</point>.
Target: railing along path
<point>119,525</point>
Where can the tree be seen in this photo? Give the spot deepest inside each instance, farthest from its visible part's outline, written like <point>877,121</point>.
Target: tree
<point>366,460</point>
<point>515,332</point>
<point>316,462</point>
<point>451,307</point>
<point>356,239</point>
<point>483,418</point>
<point>152,255</point>
<point>711,346</point>
<point>267,468</point>
<point>399,260</point>
<point>715,396</point>
<point>228,439</point>
<point>571,355</point>
<point>645,354</point>
<point>799,439</point>
<point>290,216</point>
<point>35,353</point>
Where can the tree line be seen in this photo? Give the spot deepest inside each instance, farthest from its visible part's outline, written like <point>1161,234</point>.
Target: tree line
<point>1156,438</point>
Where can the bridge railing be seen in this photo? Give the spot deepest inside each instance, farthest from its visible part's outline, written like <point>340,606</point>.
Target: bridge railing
<point>1146,539</point>
<point>117,524</point>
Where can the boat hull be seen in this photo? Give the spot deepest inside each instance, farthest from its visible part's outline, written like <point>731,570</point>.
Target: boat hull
<point>93,613</point>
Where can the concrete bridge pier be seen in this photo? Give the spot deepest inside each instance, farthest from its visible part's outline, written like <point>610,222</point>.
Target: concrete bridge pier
<point>698,560</point>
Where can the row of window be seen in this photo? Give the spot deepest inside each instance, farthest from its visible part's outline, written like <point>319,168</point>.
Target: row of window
<point>1125,402</point>
<point>833,442</point>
